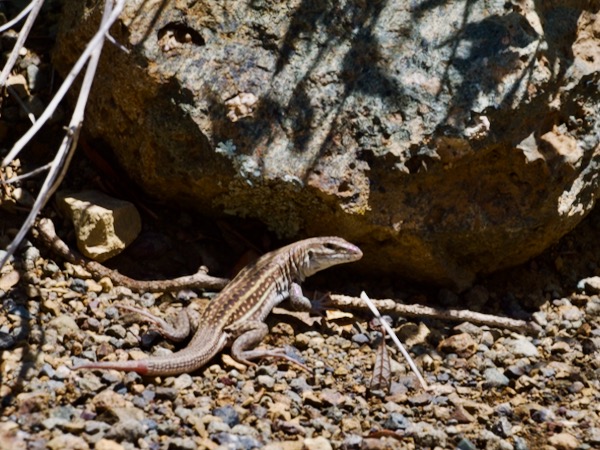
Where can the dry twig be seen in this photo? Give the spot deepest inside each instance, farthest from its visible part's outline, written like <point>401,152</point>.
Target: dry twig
<point>24,12</point>
<point>199,280</point>
<point>392,307</point>
<point>32,10</point>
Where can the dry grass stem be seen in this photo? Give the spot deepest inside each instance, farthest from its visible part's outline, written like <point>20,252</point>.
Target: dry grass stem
<point>364,297</point>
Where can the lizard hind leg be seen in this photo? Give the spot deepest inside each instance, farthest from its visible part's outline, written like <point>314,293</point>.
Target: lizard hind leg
<point>184,324</point>
<point>250,334</point>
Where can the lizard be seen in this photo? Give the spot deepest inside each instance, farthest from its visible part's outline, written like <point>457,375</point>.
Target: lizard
<point>235,317</point>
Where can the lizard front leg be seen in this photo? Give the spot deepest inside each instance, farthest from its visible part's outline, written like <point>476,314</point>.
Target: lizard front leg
<point>248,335</point>
<point>300,302</point>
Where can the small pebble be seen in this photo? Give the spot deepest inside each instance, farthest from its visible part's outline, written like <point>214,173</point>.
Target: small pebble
<point>593,308</point>
<point>186,295</point>
<point>520,444</point>
<point>504,409</point>
<point>217,426</point>
<point>51,268</point>
<point>540,318</point>
<point>300,385</point>
<point>360,338</point>
<point>466,444</point>
<point>576,387</point>
<point>106,284</point>
<point>317,443</point>
<point>54,422</point>
<point>147,300</point>
<point>11,260</point>
<point>90,383</point>
<point>18,310</point>
<point>112,377</point>
<point>563,441</point>
<point>95,427</point>
<point>182,382</point>
<point>589,285</point>
<point>502,428</point>
<point>149,395</point>
<point>180,443</point>
<point>6,341</point>
<point>79,285</point>
<point>572,314</point>
<point>62,372</point>
<point>228,440</point>
<point>67,441</point>
<point>426,435</point>
<point>31,255</point>
<point>487,339</point>
<point>266,381</point>
<point>166,393</point>
<point>64,325</point>
<point>462,344</point>
<point>543,415</point>
<point>521,347</point>
<point>396,421</point>
<point>126,429</point>
<point>493,378</point>
<point>594,436</point>
<point>352,442</point>
<point>35,77</point>
<point>228,415</point>
<point>520,367</point>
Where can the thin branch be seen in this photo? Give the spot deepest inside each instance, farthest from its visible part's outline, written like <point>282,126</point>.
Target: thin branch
<point>50,183</point>
<point>29,174</point>
<point>63,156</point>
<point>200,280</point>
<point>14,54</point>
<point>18,17</point>
<point>66,85</point>
<point>392,307</point>
<point>117,44</point>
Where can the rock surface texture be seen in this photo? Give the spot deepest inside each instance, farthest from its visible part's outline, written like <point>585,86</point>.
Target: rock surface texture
<point>447,139</point>
<point>104,225</point>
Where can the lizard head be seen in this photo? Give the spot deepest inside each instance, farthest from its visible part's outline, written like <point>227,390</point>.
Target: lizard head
<point>323,252</point>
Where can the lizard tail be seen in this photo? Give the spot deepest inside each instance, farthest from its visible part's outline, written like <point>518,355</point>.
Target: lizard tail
<point>140,367</point>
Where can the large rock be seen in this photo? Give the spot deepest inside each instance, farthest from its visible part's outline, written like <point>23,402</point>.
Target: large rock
<point>446,139</point>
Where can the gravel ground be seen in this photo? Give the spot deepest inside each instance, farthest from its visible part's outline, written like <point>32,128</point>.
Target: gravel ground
<point>491,388</point>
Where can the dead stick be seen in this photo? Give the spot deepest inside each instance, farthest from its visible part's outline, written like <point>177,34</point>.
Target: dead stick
<point>388,306</point>
<point>199,280</point>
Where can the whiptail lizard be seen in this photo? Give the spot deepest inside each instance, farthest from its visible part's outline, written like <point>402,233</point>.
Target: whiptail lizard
<point>236,316</point>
